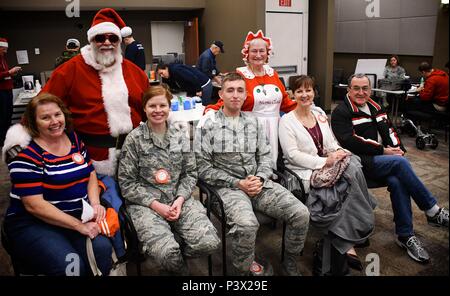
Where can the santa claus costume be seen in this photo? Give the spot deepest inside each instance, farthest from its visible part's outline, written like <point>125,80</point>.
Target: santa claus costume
<point>105,102</point>
<point>266,95</point>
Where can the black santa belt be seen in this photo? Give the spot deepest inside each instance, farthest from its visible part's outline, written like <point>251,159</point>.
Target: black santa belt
<point>103,141</point>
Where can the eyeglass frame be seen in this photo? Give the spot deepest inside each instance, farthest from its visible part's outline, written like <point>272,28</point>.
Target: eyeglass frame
<point>358,88</point>
<point>106,36</point>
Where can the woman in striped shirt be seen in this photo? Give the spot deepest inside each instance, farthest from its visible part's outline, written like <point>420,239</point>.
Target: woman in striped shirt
<point>51,180</point>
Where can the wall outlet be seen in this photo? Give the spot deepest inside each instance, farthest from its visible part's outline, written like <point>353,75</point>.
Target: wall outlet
<point>37,51</point>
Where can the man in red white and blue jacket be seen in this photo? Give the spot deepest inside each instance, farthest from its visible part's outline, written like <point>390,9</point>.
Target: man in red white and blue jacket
<point>362,126</point>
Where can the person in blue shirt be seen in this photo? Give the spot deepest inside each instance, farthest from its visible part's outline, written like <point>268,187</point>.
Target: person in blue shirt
<point>207,61</point>
<point>187,78</point>
<point>134,50</point>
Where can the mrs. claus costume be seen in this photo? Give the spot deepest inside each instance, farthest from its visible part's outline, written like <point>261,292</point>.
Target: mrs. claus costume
<point>266,95</point>
<point>105,101</point>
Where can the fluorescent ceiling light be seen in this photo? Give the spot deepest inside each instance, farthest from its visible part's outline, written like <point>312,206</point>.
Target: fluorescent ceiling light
<point>444,1</point>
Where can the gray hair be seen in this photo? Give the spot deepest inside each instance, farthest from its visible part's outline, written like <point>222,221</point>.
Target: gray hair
<point>357,75</point>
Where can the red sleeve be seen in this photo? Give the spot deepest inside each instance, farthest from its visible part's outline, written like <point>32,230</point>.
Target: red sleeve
<point>426,94</point>
<point>215,107</point>
<point>4,72</point>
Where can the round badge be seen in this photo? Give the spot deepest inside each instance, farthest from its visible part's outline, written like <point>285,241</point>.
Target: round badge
<point>322,118</point>
<point>77,158</point>
<point>162,176</point>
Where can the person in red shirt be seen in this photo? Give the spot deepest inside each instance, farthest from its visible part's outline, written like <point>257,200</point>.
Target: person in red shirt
<point>434,93</point>
<point>6,86</point>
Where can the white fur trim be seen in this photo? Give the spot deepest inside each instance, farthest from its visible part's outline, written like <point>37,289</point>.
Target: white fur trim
<point>250,75</point>
<point>102,28</point>
<point>114,93</point>
<point>16,135</point>
<point>269,70</point>
<point>246,72</point>
<point>4,44</point>
<point>126,31</point>
<point>107,167</point>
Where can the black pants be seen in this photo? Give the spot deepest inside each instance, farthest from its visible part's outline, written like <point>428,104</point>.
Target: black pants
<point>6,110</point>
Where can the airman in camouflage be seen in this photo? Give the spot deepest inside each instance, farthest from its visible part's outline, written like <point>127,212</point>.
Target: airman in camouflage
<point>145,161</point>
<point>233,154</point>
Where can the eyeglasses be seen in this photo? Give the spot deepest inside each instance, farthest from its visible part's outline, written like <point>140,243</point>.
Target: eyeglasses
<point>102,38</point>
<point>359,88</point>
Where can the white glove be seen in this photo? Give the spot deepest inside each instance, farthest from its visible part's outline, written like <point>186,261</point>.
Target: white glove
<point>210,114</point>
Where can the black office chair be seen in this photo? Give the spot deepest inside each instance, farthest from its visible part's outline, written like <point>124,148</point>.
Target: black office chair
<point>214,204</point>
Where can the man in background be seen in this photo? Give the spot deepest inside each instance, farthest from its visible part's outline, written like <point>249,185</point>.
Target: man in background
<point>207,61</point>
<point>6,86</point>
<point>434,93</point>
<point>134,51</point>
<point>187,78</point>
<point>72,49</point>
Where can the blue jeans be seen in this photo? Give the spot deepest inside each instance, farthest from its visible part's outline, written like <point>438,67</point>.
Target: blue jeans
<point>112,196</point>
<point>403,184</point>
<point>48,249</point>
<point>207,93</point>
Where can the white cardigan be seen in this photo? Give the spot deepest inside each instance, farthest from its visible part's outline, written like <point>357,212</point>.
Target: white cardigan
<point>299,150</point>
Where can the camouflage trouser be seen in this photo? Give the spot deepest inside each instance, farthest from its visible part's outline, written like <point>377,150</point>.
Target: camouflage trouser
<point>155,234</point>
<point>275,201</point>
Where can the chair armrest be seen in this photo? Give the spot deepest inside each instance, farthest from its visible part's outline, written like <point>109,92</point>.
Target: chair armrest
<point>213,195</point>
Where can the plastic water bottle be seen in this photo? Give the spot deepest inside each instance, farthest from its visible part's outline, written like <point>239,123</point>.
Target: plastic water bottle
<point>174,105</point>
<point>187,104</point>
<point>422,82</point>
<point>37,86</point>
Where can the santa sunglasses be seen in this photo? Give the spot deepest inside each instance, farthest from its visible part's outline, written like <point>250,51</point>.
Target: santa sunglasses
<point>101,38</point>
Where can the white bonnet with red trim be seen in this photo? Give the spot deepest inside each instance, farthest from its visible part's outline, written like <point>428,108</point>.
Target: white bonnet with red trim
<point>107,20</point>
<point>3,42</point>
<point>251,36</point>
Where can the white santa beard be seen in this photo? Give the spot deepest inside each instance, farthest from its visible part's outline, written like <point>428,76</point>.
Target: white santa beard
<point>105,58</point>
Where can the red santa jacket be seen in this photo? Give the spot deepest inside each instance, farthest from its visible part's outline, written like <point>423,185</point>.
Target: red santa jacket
<point>6,82</point>
<point>103,101</point>
<point>436,88</point>
<point>271,77</point>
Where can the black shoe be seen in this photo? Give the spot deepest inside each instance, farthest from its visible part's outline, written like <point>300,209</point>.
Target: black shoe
<point>414,248</point>
<point>354,262</point>
<point>440,219</point>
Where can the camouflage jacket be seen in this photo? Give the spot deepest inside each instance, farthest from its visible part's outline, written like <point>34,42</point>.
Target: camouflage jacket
<point>65,56</point>
<point>143,154</point>
<point>227,154</point>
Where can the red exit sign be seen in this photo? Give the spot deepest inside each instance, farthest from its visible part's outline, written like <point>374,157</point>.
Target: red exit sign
<point>287,3</point>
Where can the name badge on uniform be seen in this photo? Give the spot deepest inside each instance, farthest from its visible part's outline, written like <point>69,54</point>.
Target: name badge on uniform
<point>77,158</point>
<point>162,176</point>
<point>322,118</point>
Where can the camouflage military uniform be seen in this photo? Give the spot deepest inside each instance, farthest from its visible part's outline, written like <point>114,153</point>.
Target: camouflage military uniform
<point>143,153</point>
<point>65,56</point>
<point>227,154</point>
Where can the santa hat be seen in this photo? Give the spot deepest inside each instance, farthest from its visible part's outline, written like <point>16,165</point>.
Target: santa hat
<point>251,36</point>
<point>3,42</point>
<point>107,20</point>
<point>126,32</point>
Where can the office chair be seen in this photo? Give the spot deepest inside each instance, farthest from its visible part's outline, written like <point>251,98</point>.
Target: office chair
<point>214,204</point>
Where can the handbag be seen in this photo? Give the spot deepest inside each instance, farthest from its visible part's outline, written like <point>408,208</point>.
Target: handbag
<point>118,268</point>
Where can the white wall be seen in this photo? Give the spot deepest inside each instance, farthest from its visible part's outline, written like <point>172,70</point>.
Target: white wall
<point>288,29</point>
<point>167,37</point>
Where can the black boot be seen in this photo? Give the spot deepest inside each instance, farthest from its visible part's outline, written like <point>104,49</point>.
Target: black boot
<point>339,263</point>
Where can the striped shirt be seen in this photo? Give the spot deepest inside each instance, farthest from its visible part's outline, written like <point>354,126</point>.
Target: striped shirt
<point>62,180</point>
